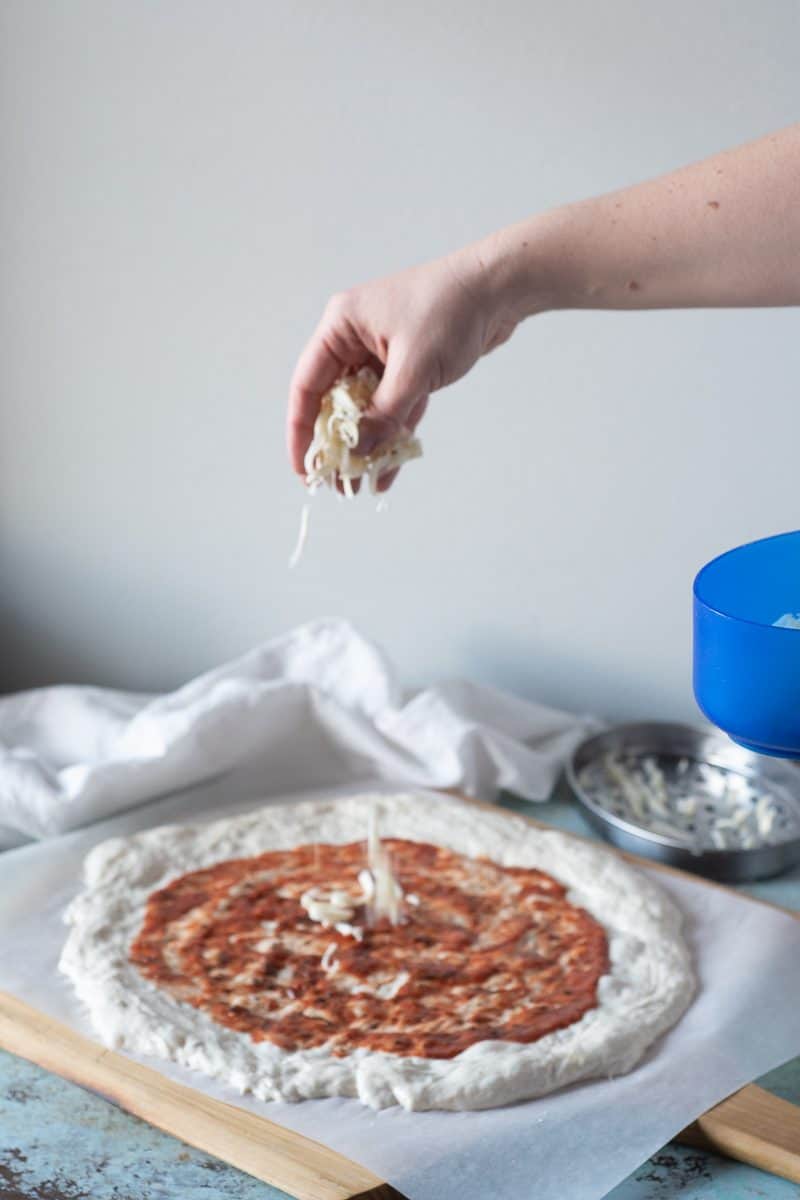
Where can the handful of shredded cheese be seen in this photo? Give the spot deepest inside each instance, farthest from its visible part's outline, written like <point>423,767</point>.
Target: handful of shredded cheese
<point>331,455</point>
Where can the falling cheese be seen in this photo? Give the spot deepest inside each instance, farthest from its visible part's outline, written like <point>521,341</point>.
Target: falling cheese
<point>385,897</point>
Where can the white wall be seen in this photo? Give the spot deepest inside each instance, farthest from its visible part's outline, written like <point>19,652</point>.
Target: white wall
<point>184,183</point>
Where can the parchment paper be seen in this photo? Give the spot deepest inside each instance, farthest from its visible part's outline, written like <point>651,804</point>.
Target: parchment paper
<point>575,1145</point>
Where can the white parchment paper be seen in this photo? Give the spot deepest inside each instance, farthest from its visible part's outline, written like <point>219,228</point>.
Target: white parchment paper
<point>575,1145</point>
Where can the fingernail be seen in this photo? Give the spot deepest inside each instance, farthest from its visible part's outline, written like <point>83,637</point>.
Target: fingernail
<point>367,442</point>
<point>374,432</point>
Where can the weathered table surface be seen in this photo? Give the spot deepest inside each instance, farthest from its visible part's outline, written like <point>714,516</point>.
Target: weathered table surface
<point>58,1142</point>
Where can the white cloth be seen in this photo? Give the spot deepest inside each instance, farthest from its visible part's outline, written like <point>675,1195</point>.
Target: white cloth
<point>320,705</point>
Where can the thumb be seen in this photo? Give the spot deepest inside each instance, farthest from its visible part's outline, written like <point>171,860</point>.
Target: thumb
<point>397,395</point>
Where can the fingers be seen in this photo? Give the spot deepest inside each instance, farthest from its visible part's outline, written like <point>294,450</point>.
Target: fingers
<point>417,413</point>
<point>386,481</point>
<point>374,431</point>
<point>317,369</point>
<point>397,397</point>
<point>414,418</point>
<point>399,389</point>
<point>335,346</point>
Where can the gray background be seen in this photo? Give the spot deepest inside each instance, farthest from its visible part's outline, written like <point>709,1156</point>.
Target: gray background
<point>183,186</point>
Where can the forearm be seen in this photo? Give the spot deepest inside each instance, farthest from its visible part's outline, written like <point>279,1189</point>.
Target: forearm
<point>722,232</point>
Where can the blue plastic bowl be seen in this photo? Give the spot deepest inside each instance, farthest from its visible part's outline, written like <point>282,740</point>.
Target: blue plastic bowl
<point>747,670</point>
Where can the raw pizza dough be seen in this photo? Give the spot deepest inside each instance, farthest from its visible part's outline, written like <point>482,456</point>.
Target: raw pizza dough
<point>647,989</point>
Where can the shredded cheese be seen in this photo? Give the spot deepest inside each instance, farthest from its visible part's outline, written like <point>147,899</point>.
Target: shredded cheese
<point>385,895</point>
<point>328,907</point>
<point>788,621</point>
<point>326,962</point>
<point>331,455</point>
<point>700,805</point>
<point>297,553</point>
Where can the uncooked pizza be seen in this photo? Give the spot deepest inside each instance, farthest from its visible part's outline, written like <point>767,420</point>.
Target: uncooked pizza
<point>464,959</point>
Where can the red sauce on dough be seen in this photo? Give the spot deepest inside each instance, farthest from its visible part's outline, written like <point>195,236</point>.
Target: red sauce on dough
<point>489,952</point>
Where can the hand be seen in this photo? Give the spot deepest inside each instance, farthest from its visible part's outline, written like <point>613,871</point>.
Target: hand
<point>421,330</point>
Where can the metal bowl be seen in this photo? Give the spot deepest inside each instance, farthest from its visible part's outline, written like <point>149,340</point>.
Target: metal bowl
<point>669,744</point>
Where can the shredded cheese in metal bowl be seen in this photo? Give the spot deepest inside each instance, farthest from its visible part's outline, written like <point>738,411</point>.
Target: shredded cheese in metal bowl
<point>700,805</point>
<point>332,455</point>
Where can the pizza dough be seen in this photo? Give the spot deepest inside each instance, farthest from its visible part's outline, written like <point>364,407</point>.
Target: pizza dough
<point>223,918</point>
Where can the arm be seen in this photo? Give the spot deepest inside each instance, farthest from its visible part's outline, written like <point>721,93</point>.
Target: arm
<point>723,232</point>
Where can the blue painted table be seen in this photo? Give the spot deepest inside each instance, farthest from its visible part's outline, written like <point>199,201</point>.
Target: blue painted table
<point>58,1142</point>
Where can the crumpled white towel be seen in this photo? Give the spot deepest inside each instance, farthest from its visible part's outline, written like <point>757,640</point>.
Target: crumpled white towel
<point>320,705</point>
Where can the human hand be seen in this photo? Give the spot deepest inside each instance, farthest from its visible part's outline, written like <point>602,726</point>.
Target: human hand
<point>421,330</point>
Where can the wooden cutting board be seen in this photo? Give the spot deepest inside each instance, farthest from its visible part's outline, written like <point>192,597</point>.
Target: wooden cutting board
<point>752,1125</point>
<point>302,1167</point>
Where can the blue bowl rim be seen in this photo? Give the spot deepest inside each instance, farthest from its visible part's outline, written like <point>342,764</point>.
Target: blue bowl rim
<point>774,537</point>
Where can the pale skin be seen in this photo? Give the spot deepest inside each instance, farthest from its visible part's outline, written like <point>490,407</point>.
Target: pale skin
<point>724,232</point>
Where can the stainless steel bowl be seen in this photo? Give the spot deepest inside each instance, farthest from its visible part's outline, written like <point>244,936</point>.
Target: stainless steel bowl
<point>668,743</point>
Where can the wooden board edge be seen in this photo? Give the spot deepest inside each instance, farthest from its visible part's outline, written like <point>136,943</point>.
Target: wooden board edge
<point>753,1126</point>
<point>304,1168</point>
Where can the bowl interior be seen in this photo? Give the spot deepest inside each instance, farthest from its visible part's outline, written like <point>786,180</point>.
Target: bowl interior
<point>758,583</point>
